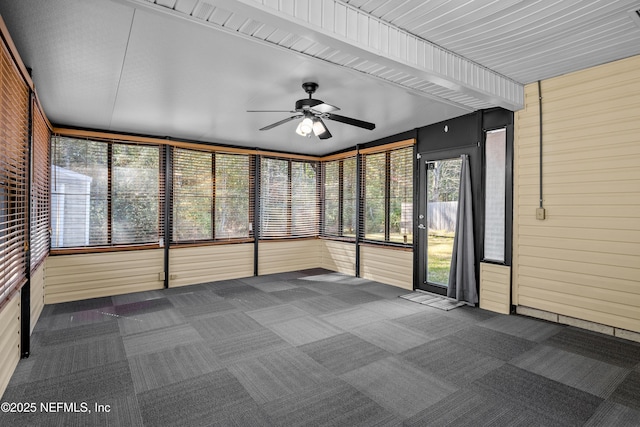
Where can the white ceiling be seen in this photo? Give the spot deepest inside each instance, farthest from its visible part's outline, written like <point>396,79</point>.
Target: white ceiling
<point>189,69</point>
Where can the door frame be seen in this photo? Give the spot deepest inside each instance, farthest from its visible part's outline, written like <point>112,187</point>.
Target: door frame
<point>420,236</point>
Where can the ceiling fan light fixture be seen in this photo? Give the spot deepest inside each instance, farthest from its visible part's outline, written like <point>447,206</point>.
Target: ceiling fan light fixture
<point>305,127</point>
<point>318,127</point>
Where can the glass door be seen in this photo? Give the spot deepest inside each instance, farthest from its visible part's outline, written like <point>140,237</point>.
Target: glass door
<point>437,222</point>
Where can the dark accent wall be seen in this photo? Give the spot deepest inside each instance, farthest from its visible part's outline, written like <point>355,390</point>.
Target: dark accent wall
<point>465,135</point>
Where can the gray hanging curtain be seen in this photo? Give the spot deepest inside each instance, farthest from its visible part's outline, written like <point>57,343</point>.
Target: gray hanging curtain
<point>462,276</point>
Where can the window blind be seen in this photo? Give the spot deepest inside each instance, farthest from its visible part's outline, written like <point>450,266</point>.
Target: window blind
<point>289,198</point>
<point>401,196</point>
<point>349,197</point>
<point>14,108</point>
<point>339,194</point>
<point>40,174</point>
<point>331,193</point>
<point>212,196</point>
<point>192,195</point>
<point>495,195</point>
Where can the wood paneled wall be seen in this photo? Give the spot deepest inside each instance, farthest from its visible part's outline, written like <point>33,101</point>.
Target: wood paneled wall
<point>280,256</point>
<point>339,256</point>
<point>387,265</point>
<point>9,340</point>
<point>191,265</point>
<point>495,284</point>
<point>75,277</point>
<point>583,260</point>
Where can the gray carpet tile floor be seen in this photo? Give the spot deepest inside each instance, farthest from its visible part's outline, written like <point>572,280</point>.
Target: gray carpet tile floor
<point>314,348</point>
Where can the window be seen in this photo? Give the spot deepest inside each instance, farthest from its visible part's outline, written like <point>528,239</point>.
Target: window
<point>339,185</point>
<point>401,196</point>
<point>39,188</point>
<point>104,194</point>
<point>211,196</point>
<point>233,213</point>
<point>332,190</point>
<point>289,198</point>
<point>349,197</point>
<point>192,195</point>
<point>374,215</point>
<point>495,195</point>
<point>14,123</point>
<point>387,196</point>
<point>135,181</point>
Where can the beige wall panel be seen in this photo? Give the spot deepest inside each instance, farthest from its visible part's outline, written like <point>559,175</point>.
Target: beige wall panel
<point>387,265</point>
<point>288,255</point>
<point>495,281</point>
<point>582,278</point>
<point>339,256</point>
<point>75,277</point>
<point>37,294</point>
<point>583,261</point>
<point>9,340</point>
<point>189,266</point>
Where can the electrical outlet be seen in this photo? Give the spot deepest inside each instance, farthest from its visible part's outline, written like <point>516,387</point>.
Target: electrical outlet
<point>161,276</point>
<point>540,214</point>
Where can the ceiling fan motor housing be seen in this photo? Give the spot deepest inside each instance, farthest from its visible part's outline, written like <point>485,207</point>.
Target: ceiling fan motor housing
<point>309,87</point>
<point>306,104</point>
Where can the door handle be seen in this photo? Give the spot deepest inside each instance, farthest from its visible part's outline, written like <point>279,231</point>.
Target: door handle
<point>421,226</point>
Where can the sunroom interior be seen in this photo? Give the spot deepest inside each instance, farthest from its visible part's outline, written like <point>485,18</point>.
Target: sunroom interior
<point>133,157</point>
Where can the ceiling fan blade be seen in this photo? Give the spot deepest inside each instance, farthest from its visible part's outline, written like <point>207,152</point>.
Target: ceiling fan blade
<point>288,119</point>
<point>270,111</point>
<point>350,121</point>
<point>322,131</point>
<point>324,108</point>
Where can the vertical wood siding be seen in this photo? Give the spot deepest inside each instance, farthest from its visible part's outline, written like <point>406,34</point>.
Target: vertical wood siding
<point>189,266</point>
<point>583,261</point>
<point>339,256</point>
<point>288,255</point>
<point>9,340</point>
<point>37,294</point>
<point>495,281</point>
<point>387,265</point>
<point>76,277</point>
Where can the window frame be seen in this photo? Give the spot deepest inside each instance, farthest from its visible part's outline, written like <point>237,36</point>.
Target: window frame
<point>340,217</point>
<point>110,245</point>
<point>385,150</point>
<point>289,222</point>
<point>215,200</point>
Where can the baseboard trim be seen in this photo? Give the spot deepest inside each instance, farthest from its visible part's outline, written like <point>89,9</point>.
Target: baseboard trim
<point>578,323</point>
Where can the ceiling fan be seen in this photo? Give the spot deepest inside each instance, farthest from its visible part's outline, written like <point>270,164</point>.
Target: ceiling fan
<point>312,111</point>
